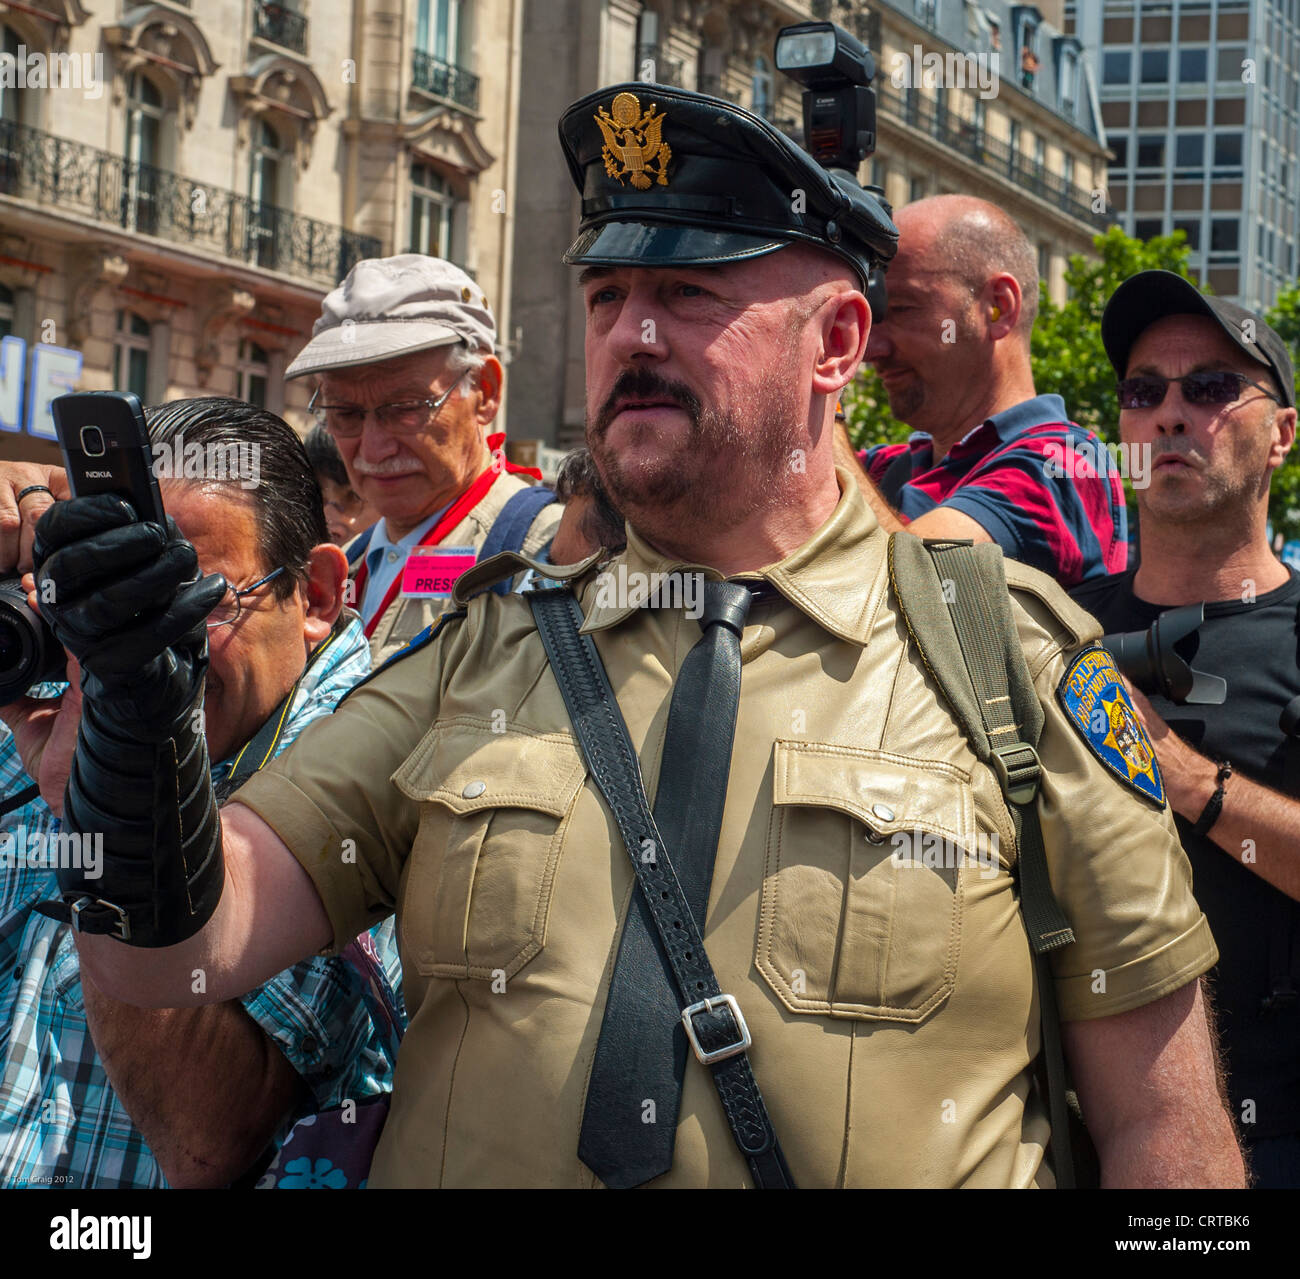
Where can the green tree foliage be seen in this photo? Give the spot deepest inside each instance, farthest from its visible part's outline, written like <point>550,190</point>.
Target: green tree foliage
<point>1070,361</point>
<point>1284,493</point>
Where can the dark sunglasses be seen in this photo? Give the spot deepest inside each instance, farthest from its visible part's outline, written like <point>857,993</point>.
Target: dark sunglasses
<point>1208,387</point>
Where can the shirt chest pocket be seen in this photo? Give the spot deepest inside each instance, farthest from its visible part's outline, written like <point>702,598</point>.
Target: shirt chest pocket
<point>854,920</point>
<point>494,809</point>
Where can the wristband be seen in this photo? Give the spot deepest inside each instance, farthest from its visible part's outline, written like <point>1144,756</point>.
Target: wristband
<point>1214,805</point>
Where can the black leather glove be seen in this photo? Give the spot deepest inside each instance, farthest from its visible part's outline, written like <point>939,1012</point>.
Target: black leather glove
<point>126,599</point>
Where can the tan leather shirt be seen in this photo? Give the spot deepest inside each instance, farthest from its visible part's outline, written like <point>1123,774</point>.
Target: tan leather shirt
<point>893,1008</point>
<point>408,615</point>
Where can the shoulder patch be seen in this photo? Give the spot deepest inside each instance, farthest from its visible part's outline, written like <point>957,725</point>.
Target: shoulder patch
<point>416,643</point>
<point>1097,704</point>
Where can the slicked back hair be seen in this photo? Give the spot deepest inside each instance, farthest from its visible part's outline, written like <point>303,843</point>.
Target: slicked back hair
<point>287,502</point>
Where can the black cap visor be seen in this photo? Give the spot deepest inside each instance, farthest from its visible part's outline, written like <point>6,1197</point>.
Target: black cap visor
<point>652,244</point>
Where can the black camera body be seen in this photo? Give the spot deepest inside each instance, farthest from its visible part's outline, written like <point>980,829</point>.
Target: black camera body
<point>29,653</point>
<point>1149,660</point>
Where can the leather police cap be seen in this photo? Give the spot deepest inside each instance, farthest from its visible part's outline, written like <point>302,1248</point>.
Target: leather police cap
<point>674,178</point>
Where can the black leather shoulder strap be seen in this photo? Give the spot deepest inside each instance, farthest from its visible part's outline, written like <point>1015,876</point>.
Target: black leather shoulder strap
<point>713,1020</point>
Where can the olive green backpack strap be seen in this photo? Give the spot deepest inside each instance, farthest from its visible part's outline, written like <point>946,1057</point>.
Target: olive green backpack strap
<point>954,602</point>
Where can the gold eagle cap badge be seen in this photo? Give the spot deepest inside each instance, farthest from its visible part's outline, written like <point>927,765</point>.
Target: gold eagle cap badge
<point>634,142</point>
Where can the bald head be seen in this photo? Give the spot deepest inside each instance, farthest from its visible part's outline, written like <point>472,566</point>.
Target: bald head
<point>972,240</point>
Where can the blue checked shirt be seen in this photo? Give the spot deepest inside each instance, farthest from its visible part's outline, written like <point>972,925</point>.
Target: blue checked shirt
<point>60,1122</point>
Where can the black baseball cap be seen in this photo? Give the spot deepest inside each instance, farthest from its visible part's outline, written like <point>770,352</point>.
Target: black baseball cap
<point>674,178</point>
<point>1151,295</point>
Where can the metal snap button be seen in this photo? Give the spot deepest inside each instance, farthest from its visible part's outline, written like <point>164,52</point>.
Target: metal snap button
<point>883,811</point>
<point>473,790</point>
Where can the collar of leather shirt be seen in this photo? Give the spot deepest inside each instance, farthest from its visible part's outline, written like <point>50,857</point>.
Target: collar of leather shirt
<point>835,577</point>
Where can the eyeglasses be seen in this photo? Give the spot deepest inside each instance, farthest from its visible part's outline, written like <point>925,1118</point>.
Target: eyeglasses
<point>405,417</point>
<point>1208,387</point>
<point>231,605</point>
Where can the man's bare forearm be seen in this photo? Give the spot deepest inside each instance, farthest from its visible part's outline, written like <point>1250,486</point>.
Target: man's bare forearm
<point>1258,827</point>
<point>205,1086</point>
<point>269,917</point>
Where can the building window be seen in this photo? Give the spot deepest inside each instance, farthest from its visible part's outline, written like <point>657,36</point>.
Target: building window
<point>144,116</point>
<point>1013,147</point>
<point>1044,261</point>
<point>760,86</point>
<point>10,99</point>
<point>439,27</point>
<point>1192,65</point>
<point>1191,228</point>
<point>1227,150</point>
<point>1224,233</point>
<point>1069,81</point>
<point>433,214</point>
<point>1147,228</point>
<point>1230,61</point>
<point>1120,147</point>
<point>253,370</point>
<point>1067,169</point>
<point>1151,151</point>
<point>6,311</point>
<point>927,11</point>
<point>1155,66</point>
<point>132,365</point>
<point>916,189</point>
<point>1189,154</point>
<point>269,169</point>
<point>1117,66</point>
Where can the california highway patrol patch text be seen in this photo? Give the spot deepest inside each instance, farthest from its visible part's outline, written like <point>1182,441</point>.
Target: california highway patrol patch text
<point>1098,706</point>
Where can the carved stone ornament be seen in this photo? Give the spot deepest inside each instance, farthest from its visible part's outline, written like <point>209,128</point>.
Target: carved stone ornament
<point>228,304</point>
<point>170,44</point>
<point>94,268</point>
<point>288,93</point>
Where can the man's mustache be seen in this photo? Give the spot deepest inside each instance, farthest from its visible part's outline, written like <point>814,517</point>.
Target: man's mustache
<point>646,384</point>
<point>1178,444</point>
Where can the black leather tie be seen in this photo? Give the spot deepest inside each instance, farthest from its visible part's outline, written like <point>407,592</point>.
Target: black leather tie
<point>634,1095</point>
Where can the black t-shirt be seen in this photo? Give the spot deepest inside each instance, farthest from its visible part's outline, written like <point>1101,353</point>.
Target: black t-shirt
<point>1255,647</point>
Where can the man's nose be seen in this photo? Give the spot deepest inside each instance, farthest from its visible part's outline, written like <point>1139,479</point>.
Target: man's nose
<point>1171,416</point>
<point>375,443</point>
<point>878,344</point>
<point>638,330</point>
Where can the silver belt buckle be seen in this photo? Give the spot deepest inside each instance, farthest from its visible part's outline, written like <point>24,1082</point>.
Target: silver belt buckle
<point>727,1050</point>
<point>123,930</point>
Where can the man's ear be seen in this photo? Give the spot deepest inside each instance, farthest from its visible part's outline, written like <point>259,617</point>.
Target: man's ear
<point>1001,301</point>
<point>327,572</point>
<point>488,385</point>
<point>845,329</point>
<point>1284,422</point>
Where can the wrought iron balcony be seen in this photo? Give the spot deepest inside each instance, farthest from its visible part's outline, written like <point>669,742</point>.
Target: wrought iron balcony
<point>53,171</point>
<point>447,80</point>
<point>966,137</point>
<point>280,25</point>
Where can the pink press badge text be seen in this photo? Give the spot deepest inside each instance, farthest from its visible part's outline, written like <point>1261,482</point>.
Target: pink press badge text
<point>432,570</point>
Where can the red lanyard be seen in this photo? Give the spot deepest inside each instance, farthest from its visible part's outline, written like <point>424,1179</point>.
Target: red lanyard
<point>456,512</point>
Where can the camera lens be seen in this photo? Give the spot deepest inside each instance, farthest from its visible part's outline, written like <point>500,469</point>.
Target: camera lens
<point>92,441</point>
<point>29,653</point>
<point>11,646</point>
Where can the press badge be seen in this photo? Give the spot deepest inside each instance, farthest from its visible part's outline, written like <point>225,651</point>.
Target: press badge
<point>1098,706</point>
<point>431,571</point>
